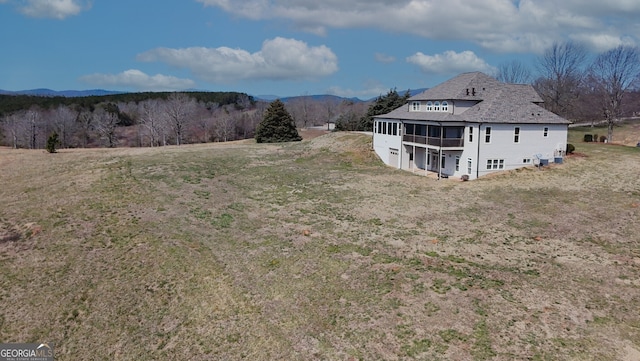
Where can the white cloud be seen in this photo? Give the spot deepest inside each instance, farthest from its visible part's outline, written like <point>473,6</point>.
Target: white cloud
<point>499,25</point>
<point>602,42</point>
<point>384,58</point>
<point>279,59</point>
<point>136,79</point>
<point>450,62</point>
<point>56,9</point>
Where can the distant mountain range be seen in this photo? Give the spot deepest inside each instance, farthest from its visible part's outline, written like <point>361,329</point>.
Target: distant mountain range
<point>64,93</point>
<point>325,97</point>
<point>100,92</point>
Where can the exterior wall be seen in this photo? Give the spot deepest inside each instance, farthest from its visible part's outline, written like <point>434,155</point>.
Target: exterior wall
<point>423,106</point>
<point>512,155</point>
<point>501,148</point>
<point>383,141</point>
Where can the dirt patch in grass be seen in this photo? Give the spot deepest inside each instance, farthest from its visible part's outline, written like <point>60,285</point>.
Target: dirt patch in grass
<point>315,250</point>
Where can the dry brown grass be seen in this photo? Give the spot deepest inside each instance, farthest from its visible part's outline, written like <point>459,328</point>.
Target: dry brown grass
<point>314,251</point>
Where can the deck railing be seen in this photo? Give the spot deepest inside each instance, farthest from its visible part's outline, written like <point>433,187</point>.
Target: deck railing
<point>435,141</point>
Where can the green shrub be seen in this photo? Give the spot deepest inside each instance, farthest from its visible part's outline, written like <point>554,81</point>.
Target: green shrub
<point>570,148</point>
<point>52,142</point>
<point>588,138</point>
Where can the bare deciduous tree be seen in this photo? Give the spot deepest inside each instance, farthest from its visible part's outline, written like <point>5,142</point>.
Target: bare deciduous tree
<point>12,126</point>
<point>105,123</point>
<point>33,118</point>
<point>514,72</point>
<point>562,73</point>
<point>152,118</point>
<point>615,72</point>
<point>179,108</point>
<point>63,120</point>
<point>225,127</point>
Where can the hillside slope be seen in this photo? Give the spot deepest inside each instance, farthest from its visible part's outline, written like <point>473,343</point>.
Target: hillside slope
<point>315,250</point>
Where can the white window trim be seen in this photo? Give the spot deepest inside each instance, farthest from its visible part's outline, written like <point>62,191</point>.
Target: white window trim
<point>495,164</point>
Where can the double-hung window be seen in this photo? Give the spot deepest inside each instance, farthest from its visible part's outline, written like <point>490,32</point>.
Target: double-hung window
<point>487,135</point>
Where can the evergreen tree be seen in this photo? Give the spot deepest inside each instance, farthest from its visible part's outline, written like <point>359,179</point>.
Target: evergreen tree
<point>383,105</point>
<point>52,142</point>
<point>277,125</point>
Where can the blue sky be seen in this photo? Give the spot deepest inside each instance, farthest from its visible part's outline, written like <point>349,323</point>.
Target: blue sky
<point>358,48</point>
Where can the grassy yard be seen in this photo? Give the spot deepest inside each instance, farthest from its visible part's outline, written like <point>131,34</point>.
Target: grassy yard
<point>316,251</point>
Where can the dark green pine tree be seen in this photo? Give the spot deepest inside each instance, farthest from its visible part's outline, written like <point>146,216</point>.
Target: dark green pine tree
<point>383,105</point>
<point>52,142</point>
<point>277,125</point>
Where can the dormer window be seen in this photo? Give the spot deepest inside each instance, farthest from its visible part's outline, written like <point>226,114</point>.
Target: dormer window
<point>445,106</point>
<point>436,106</point>
<point>415,106</point>
<point>429,106</point>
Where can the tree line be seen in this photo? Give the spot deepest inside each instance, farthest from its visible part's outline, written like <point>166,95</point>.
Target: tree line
<point>603,88</point>
<point>150,119</point>
<point>137,119</point>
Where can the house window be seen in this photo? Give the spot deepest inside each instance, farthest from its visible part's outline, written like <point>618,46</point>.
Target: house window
<point>526,160</point>
<point>546,132</point>
<point>445,106</point>
<point>469,166</point>
<point>487,135</point>
<point>495,164</point>
<point>457,163</point>
<point>409,129</point>
<point>395,128</point>
<point>470,134</point>
<point>516,135</point>
<point>436,106</point>
<point>429,106</point>
<point>415,106</point>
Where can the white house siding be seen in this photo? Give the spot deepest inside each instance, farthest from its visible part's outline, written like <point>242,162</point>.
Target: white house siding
<point>502,148</point>
<point>382,143</point>
<point>532,142</point>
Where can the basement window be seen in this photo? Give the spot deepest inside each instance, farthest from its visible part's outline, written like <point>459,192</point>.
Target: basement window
<point>493,164</point>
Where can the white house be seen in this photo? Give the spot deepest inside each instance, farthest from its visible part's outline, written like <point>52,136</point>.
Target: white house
<point>470,125</point>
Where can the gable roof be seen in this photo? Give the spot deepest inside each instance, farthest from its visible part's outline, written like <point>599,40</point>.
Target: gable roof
<point>496,102</point>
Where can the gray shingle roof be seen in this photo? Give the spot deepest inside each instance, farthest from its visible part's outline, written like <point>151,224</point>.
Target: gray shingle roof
<point>497,102</point>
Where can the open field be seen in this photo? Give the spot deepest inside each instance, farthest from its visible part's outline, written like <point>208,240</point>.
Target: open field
<point>316,251</point>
